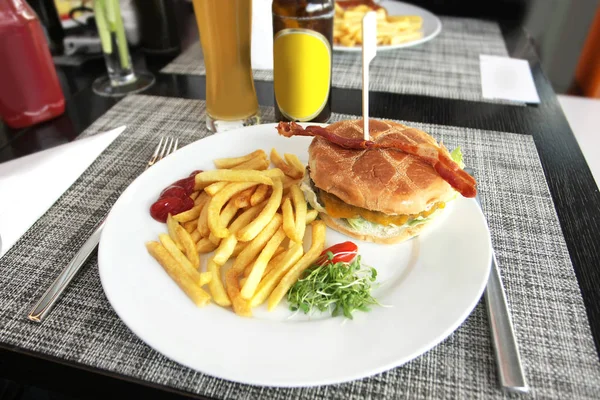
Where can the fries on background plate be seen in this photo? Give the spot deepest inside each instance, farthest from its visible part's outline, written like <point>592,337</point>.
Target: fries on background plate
<point>391,29</point>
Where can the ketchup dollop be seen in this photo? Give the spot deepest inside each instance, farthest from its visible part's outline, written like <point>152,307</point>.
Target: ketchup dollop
<point>175,198</point>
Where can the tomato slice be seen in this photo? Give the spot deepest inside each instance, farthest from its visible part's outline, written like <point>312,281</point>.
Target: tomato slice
<point>342,252</point>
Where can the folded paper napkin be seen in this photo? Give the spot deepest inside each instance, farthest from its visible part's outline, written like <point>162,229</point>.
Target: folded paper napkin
<point>504,78</point>
<point>30,185</point>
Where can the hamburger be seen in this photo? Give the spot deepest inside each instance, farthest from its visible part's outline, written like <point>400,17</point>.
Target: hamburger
<point>374,191</point>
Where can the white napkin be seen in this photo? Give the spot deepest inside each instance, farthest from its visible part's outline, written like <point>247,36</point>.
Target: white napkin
<point>30,185</point>
<point>507,79</point>
<point>262,35</point>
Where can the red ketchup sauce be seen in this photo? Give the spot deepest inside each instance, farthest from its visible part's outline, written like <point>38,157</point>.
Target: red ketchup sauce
<point>174,199</point>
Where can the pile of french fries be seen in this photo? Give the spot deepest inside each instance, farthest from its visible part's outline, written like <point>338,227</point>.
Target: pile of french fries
<point>391,30</point>
<point>250,215</point>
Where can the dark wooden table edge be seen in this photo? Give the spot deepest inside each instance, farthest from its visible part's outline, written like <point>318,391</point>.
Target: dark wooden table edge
<point>73,378</point>
<point>565,208</point>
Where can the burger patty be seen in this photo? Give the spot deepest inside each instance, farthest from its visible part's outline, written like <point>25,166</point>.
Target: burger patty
<point>337,208</point>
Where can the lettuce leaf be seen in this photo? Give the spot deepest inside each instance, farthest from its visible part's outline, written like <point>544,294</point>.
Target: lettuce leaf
<point>417,221</point>
<point>357,223</point>
<point>457,157</point>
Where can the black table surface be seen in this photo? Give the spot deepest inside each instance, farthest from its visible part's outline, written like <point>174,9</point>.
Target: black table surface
<point>571,183</point>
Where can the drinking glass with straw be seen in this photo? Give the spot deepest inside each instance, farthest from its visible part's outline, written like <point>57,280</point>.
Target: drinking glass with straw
<point>121,78</point>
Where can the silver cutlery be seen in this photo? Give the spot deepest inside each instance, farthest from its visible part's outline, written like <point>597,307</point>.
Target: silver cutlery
<point>510,370</point>
<point>42,308</point>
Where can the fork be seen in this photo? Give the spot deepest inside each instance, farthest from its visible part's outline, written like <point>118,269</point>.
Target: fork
<point>42,308</point>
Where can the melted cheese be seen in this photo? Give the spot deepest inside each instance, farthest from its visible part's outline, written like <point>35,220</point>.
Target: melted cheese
<point>336,208</point>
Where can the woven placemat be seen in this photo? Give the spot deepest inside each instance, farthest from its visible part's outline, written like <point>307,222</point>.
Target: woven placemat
<point>447,66</point>
<point>549,316</point>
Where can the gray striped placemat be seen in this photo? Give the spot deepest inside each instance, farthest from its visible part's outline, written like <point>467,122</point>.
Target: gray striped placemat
<point>549,316</point>
<point>447,66</point>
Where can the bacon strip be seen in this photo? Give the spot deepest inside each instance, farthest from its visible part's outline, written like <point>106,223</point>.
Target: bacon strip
<point>433,155</point>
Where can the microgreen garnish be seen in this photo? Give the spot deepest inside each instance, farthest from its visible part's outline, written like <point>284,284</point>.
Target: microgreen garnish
<point>339,288</point>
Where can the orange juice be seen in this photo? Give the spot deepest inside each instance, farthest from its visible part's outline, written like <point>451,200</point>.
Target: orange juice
<point>302,54</point>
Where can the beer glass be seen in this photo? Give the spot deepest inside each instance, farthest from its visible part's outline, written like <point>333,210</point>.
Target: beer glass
<point>225,34</point>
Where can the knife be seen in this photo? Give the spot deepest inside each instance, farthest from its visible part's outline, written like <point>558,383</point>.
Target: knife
<point>510,370</point>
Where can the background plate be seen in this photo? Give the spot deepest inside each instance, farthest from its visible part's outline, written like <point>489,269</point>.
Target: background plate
<point>432,25</point>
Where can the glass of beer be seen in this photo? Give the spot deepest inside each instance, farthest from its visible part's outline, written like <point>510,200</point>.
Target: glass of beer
<point>225,33</point>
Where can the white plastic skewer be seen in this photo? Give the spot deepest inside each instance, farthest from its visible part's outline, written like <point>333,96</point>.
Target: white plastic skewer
<point>369,50</point>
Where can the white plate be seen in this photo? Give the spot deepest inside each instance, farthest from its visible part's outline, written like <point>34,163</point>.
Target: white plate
<point>432,25</point>
<point>430,285</point>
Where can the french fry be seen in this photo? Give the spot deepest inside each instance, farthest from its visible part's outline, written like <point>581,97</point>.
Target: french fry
<point>227,245</point>
<point>214,188</point>
<point>189,246</point>
<point>259,195</point>
<point>218,201</point>
<point>232,162</point>
<point>205,277</point>
<point>230,175</point>
<point>195,236</point>
<point>205,246</point>
<point>240,306</point>
<point>278,256</point>
<point>185,264</point>
<point>311,215</point>
<point>194,195</point>
<point>226,216</point>
<point>225,249</point>
<point>239,247</point>
<point>191,226</point>
<point>172,229</point>
<point>202,226</point>
<point>188,215</point>
<point>251,230</point>
<point>202,198</point>
<point>282,165</point>
<point>279,250</point>
<point>175,271</point>
<point>407,37</point>
<point>215,240</point>
<point>257,244</point>
<point>289,226</point>
<point>257,163</point>
<point>276,270</point>
<point>242,199</point>
<point>247,271</point>
<point>300,212</point>
<point>260,264</point>
<point>317,245</point>
<point>289,182</point>
<point>295,162</point>
<point>217,290</point>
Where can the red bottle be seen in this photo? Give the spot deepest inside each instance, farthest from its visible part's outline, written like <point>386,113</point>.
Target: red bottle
<point>29,89</point>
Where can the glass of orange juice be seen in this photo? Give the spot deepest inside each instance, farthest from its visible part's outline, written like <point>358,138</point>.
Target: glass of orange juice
<point>225,33</point>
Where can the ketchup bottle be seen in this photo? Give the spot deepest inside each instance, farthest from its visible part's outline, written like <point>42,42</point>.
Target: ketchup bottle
<point>29,89</point>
